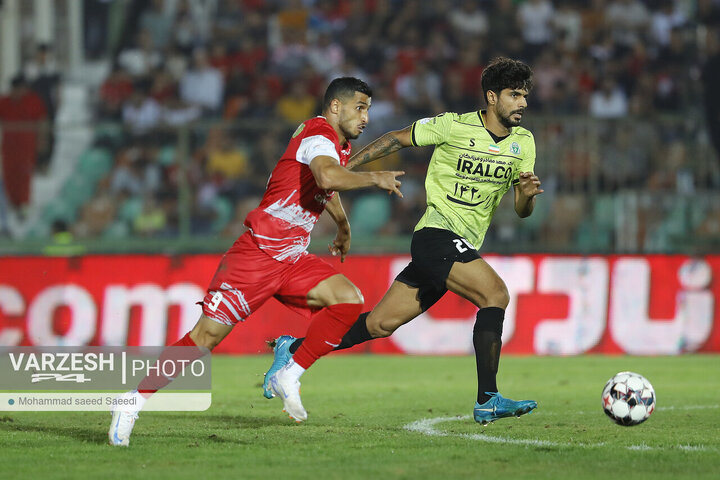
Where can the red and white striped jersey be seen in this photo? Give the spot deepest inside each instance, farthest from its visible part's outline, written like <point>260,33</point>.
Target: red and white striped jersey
<point>292,203</point>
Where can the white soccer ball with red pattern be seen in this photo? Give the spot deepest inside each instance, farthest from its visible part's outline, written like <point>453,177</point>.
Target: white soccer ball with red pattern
<point>628,398</point>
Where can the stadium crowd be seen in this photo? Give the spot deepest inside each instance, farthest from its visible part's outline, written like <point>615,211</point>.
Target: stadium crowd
<point>617,106</point>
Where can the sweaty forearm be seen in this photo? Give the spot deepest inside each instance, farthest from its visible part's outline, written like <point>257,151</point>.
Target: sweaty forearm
<point>339,179</point>
<point>524,206</point>
<point>335,209</point>
<point>383,146</point>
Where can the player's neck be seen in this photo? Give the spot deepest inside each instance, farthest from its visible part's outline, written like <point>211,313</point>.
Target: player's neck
<point>333,121</point>
<point>492,123</point>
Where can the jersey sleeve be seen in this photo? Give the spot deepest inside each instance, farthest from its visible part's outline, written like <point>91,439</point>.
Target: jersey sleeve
<point>318,141</point>
<point>432,130</point>
<point>527,162</point>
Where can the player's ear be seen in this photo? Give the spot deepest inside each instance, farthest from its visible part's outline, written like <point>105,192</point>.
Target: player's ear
<point>335,106</point>
<point>491,97</point>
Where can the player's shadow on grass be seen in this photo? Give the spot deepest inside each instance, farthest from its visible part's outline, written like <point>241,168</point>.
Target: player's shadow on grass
<point>83,434</point>
<point>209,428</point>
<point>239,421</point>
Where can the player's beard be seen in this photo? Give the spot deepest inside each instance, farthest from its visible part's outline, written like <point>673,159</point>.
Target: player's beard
<point>506,119</point>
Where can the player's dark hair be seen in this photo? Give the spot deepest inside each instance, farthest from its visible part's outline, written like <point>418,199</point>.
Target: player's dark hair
<point>504,73</point>
<point>344,87</point>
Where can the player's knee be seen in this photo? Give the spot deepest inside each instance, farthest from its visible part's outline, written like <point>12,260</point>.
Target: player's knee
<point>377,328</point>
<point>348,294</point>
<point>498,296</point>
<point>378,331</point>
<point>206,338</point>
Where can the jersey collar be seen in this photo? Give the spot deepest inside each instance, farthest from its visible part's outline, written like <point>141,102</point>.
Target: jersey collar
<point>495,138</point>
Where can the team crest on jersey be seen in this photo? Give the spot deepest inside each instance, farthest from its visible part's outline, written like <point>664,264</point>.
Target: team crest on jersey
<point>515,148</point>
<point>299,129</point>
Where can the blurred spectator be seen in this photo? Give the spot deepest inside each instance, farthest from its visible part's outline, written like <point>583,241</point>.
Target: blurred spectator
<point>250,57</point>
<point>162,85</point>
<point>609,101</point>
<point>224,159</point>
<point>22,119</point>
<point>297,105</point>
<point>710,82</point>
<point>188,29</point>
<point>152,219</point>
<point>62,241</point>
<point>535,20</point>
<point>567,25</point>
<point>135,174</point>
<point>504,30</point>
<point>469,68</point>
<point>4,225</point>
<point>625,161</point>
<point>114,92</point>
<point>44,77</point>
<point>175,112</point>
<point>420,91</point>
<point>664,20</point>
<point>141,58</point>
<point>468,20</point>
<point>176,62</point>
<point>710,226</point>
<point>325,55</point>
<point>266,154</point>
<point>261,104</point>
<point>627,21</point>
<point>159,22</point>
<point>202,85</point>
<point>97,215</point>
<point>220,59</point>
<point>440,50</point>
<point>548,73</point>
<point>95,25</point>
<point>141,113</point>
<point>290,55</point>
<point>671,172</point>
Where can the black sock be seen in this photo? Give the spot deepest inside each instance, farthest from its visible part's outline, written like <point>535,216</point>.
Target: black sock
<point>487,340</point>
<point>357,334</point>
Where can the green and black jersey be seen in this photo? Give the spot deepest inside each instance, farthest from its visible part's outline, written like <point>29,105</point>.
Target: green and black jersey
<point>469,171</point>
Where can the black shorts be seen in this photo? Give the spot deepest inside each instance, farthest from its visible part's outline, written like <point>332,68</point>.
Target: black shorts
<point>434,251</point>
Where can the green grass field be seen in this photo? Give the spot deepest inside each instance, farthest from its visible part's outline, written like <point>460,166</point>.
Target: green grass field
<point>387,417</point>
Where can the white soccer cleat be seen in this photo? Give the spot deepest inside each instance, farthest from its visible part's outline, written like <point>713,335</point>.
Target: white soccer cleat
<point>122,425</point>
<point>289,390</point>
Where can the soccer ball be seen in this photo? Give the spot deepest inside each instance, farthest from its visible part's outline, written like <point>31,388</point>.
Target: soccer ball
<point>628,399</point>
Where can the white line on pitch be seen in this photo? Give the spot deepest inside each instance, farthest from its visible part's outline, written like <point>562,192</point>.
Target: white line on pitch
<point>427,427</point>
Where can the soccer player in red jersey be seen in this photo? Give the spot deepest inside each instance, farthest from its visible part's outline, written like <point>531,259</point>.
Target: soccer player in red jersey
<point>271,258</point>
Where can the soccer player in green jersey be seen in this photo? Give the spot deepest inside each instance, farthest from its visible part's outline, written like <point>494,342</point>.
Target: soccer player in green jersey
<point>477,157</point>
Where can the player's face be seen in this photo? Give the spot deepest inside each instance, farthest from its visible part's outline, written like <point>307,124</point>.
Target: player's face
<point>511,105</point>
<point>354,115</point>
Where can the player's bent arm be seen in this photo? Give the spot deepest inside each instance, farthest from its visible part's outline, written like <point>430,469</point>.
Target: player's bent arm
<point>334,208</point>
<point>389,143</point>
<point>524,205</point>
<point>329,175</point>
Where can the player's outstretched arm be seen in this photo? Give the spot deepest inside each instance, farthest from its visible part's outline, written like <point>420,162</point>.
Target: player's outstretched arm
<point>329,175</point>
<point>341,244</point>
<point>527,188</point>
<point>389,143</point>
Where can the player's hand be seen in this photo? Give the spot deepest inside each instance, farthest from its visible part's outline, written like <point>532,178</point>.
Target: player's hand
<point>530,184</point>
<point>341,244</point>
<point>388,181</point>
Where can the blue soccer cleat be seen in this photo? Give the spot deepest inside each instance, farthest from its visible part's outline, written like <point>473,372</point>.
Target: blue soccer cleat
<point>501,407</point>
<point>281,350</point>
